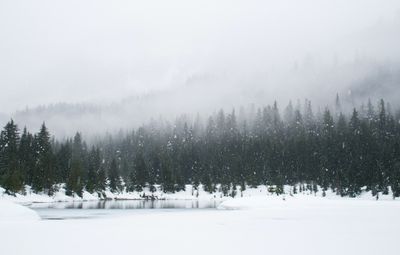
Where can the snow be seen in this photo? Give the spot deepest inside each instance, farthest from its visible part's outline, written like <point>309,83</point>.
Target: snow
<point>188,194</point>
<point>257,223</point>
<point>269,225</point>
<point>59,196</point>
<point>10,211</point>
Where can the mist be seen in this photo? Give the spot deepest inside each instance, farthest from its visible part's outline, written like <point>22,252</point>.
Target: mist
<point>99,66</point>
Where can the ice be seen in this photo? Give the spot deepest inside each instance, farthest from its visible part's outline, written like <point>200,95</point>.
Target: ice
<point>255,224</point>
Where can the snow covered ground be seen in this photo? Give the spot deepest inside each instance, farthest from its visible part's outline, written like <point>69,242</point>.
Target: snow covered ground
<point>30,197</point>
<point>188,194</point>
<point>259,224</point>
<point>10,211</point>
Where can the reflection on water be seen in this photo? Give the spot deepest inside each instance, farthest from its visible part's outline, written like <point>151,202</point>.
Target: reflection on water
<point>94,209</point>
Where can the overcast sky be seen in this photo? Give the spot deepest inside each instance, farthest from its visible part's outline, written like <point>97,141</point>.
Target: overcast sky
<point>96,51</point>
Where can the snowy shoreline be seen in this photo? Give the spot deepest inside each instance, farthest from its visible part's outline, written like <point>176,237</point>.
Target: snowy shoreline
<point>190,193</point>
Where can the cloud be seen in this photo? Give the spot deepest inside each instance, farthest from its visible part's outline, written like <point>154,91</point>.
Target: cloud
<point>102,51</point>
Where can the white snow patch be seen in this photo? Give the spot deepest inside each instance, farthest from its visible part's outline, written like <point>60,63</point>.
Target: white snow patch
<point>10,211</point>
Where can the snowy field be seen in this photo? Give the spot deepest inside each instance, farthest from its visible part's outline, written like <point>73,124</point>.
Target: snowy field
<point>258,224</point>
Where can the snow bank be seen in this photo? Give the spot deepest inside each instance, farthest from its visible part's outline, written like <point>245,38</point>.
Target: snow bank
<point>190,193</point>
<point>10,211</point>
<point>261,198</point>
<point>60,196</point>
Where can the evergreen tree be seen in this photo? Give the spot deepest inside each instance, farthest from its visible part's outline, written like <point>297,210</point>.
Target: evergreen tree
<point>44,169</point>
<point>113,177</point>
<point>338,151</point>
<point>353,170</point>
<point>93,169</point>
<point>10,170</point>
<point>26,156</point>
<point>101,179</point>
<point>75,183</point>
<point>64,160</point>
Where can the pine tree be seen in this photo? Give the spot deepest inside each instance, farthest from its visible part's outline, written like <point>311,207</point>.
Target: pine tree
<point>26,156</point>
<point>167,177</point>
<point>75,183</point>
<point>353,169</point>
<point>327,163</point>
<point>113,177</point>
<point>101,179</point>
<point>140,171</point>
<point>44,169</point>
<point>10,171</point>
<point>260,148</point>
<point>338,107</point>
<point>93,169</point>
<point>64,160</point>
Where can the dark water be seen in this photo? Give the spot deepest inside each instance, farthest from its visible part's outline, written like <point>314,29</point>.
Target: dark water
<point>112,208</point>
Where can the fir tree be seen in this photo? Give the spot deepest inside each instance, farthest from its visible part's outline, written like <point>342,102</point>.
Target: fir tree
<point>75,183</point>
<point>44,169</point>
<point>11,178</point>
<point>27,158</point>
<point>113,177</point>
<point>93,169</point>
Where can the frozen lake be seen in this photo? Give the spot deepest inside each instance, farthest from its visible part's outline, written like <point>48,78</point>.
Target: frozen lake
<point>113,208</point>
<point>259,225</point>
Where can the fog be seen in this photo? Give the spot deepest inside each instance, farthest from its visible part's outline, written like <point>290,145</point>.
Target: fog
<point>124,62</point>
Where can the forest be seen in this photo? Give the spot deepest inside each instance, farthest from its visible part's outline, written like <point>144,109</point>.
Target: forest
<point>346,151</point>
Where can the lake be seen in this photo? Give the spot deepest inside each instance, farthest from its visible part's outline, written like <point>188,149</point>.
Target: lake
<point>113,208</point>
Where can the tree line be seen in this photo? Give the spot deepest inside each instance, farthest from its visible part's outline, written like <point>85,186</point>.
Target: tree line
<point>345,152</point>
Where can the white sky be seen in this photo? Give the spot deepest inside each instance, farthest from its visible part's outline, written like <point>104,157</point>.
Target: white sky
<point>96,51</point>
